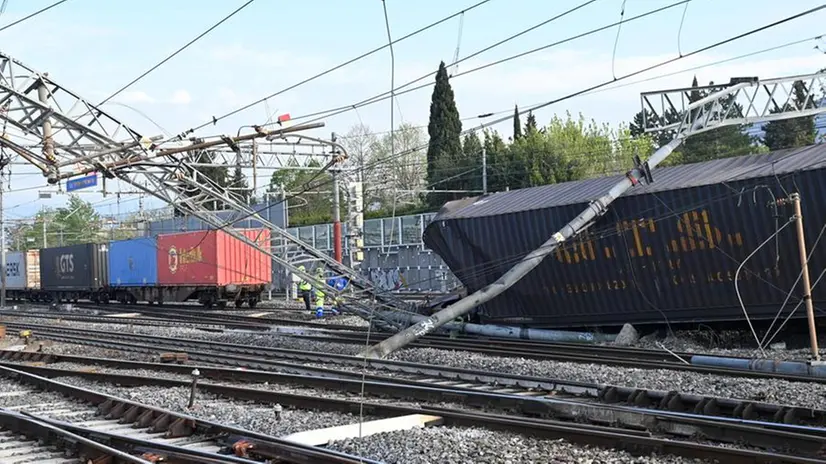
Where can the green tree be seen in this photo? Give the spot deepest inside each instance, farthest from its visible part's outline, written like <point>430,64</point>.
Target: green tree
<point>239,186</point>
<point>722,142</point>
<point>308,193</point>
<point>444,129</point>
<point>530,124</point>
<point>76,223</point>
<point>792,133</point>
<point>469,171</point>
<point>216,175</point>
<point>517,124</point>
<point>498,159</point>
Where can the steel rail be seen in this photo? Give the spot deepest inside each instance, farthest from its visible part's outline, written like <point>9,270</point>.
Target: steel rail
<point>463,381</point>
<point>611,436</point>
<point>70,444</point>
<point>569,353</point>
<point>175,425</point>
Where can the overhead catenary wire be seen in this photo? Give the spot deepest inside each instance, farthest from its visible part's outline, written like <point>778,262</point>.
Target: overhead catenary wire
<point>32,15</point>
<point>589,89</point>
<point>339,66</point>
<point>737,282</point>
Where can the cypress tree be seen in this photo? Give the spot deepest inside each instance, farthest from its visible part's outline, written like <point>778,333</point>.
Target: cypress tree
<point>791,133</point>
<point>445,146</point>
<point>517,124</point>
<point>530,124</point>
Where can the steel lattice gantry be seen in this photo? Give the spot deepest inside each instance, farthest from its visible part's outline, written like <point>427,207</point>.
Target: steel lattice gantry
<point>79,138</point>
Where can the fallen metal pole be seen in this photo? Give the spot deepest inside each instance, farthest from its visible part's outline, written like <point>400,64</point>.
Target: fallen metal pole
<point>532,260</point>
<point>506,331</point>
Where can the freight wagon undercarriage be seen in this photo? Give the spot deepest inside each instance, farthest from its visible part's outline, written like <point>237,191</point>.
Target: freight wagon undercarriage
<point>238,295</point>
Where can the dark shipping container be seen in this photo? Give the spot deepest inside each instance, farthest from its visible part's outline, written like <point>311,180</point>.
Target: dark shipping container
<point>133,262</point>
<point>668,251</point>
<point>75,267</point>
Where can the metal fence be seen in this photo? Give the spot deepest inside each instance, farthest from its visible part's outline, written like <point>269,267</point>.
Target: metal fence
<point>395,258</point>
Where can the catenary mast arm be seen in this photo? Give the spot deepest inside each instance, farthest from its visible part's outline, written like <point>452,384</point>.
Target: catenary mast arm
<point>84,139</point>
<point>743,101</point>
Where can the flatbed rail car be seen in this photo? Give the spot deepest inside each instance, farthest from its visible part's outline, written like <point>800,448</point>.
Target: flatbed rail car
<point>665,252</point>
<point>210,267</point>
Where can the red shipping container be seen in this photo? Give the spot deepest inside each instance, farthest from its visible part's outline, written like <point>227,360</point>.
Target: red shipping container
<point>213,258</point>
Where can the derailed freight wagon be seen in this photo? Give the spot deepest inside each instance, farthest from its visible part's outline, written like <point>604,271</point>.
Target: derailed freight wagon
<point>23,275</point>
<point>213,267</point>
<point>665,252</point>
<point>75,272</point>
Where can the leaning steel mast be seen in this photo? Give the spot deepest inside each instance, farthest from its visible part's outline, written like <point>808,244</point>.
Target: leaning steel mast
<point>740,102</point>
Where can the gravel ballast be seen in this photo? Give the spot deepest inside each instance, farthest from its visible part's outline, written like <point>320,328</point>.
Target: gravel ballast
<point>766,390</point>
<point>460,445</point>
<point>248,415</point>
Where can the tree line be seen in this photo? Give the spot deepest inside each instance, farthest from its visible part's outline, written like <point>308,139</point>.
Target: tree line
<point>410,171</point>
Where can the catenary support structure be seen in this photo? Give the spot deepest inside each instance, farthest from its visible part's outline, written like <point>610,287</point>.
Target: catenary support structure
<point>741,101</point>
<point>78,138</point>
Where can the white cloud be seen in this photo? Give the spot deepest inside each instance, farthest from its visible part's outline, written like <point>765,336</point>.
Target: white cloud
<point>181,97</point>
<point>134,96</point>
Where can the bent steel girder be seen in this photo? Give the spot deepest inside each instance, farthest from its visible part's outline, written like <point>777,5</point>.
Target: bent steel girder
<point>742,101</point>
<point>85,139</point>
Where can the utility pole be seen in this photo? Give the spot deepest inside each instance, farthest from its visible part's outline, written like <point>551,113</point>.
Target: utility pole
<point>807,286</point>
<point>336,214</point>
<point>484,170</point>
<point>2,240</point>
<point>484,156</point>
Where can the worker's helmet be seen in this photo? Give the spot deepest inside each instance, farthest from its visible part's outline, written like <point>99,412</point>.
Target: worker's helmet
<point>302,268</point>
<point>319,271</point>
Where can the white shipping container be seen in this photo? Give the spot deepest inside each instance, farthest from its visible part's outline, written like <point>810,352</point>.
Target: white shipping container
<point>22,270</point>
<point>15,270</point>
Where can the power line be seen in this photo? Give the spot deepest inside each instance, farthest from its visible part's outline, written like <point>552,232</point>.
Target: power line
<point>634,73</point>
<point>32,15</point>
<point>382,96</point>
<point>571,95</point>
<point>200,36</point>
<point>339,66</point>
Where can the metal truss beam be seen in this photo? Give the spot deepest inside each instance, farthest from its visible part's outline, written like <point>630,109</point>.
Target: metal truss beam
<point>742,101</point>
<point>76,134</point>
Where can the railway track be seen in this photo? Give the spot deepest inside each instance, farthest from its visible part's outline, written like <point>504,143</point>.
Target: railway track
<point>145,431</point>
<point>428,380</point>
<point>608,355</point>
<point>625,429</point>
<point>24,439</point>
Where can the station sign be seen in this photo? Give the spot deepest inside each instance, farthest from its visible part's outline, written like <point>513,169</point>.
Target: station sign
<point>82,182</point>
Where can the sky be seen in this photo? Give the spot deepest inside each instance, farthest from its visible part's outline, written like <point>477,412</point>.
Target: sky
<point>94,47</point>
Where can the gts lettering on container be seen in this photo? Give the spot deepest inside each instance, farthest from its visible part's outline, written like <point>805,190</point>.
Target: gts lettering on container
<point>65,265</point>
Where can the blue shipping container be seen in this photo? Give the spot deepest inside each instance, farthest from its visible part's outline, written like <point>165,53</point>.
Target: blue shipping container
<point>133,263</point>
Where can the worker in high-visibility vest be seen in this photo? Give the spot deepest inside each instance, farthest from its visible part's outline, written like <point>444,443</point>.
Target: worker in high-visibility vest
<point>319,293</point>
<point>339,283</point>
<point>304,288</point>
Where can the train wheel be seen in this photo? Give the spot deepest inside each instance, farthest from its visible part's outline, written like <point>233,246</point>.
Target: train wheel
<point>239,303</point>
<point>222,304</point>
<point>252,303</point>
